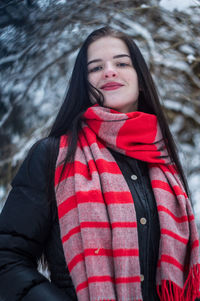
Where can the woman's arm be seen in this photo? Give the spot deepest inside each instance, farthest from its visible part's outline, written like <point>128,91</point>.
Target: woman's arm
<point>25,223</point>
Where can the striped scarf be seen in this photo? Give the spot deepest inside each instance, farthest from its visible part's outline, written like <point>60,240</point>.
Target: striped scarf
<point>97,216</point>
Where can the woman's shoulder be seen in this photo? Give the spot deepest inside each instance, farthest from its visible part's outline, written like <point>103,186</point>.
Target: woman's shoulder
<point>34,169</point>
<point>43,147</point>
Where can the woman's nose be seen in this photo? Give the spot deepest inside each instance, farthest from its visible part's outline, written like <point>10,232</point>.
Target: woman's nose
<point>110,72</point>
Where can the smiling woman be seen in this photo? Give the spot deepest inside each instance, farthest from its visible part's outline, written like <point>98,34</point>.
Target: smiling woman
<point>112,73</point>
<point>103,198</point>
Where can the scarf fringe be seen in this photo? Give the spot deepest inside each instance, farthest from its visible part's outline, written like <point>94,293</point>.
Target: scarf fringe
<point>170,291</point>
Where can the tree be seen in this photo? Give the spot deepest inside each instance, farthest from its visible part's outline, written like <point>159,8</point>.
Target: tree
<point>38,40</point>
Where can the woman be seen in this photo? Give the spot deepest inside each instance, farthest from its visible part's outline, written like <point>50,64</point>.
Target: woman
<point>118,225</point>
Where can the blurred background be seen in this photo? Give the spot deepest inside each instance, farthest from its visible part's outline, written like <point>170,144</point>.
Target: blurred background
<point>38,44</point>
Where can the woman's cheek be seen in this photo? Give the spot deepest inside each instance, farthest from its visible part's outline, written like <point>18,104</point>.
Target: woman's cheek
<point>93,79</point>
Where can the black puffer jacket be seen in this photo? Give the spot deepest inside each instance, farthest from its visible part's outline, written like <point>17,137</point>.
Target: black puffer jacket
<point>29,228</point>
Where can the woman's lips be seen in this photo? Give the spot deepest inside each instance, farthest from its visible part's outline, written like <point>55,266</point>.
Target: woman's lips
<point>111,86</point>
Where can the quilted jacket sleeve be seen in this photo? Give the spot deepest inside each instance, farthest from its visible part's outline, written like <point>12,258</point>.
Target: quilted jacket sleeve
<point>25,223</point>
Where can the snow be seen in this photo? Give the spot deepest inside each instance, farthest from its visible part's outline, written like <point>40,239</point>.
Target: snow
<point>39,95</point>
<point>2,191</point>
<point>61,1</point>
<point>187,49</point>
<point>185,109</point>
<point>5,117</point>
<point>194,184</point>
<point>144,6</point>
<point>2,196</point>
<point>177,124</point>
<point>43,4</point>
<point>15,138</point>
<point>191,58</point>
<point>8,34</point>
<point>179,5</point>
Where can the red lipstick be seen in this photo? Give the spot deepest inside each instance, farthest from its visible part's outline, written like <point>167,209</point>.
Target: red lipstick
<point>111,86</point>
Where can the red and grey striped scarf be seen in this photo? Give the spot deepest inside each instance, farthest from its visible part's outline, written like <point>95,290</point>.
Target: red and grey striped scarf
<point>97,216</point>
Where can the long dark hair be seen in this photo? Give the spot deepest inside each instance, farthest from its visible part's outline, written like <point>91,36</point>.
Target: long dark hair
<point>77,99</point>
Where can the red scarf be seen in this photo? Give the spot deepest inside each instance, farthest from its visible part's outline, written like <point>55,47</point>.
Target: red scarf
<point>97,216</point>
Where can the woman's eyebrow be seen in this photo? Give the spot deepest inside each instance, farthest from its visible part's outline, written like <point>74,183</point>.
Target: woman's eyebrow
<point>94,61</point>
<point>121,55</point>
<point>114,57</point>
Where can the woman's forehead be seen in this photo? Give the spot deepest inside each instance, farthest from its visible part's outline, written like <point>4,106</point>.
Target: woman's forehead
<point>106,46</point>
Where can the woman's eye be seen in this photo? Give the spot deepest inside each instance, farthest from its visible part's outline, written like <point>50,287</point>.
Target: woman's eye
<point>95,69</point>
<point>123,64</point>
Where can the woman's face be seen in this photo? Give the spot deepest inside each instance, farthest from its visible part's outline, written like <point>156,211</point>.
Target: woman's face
<point>110,70</point>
